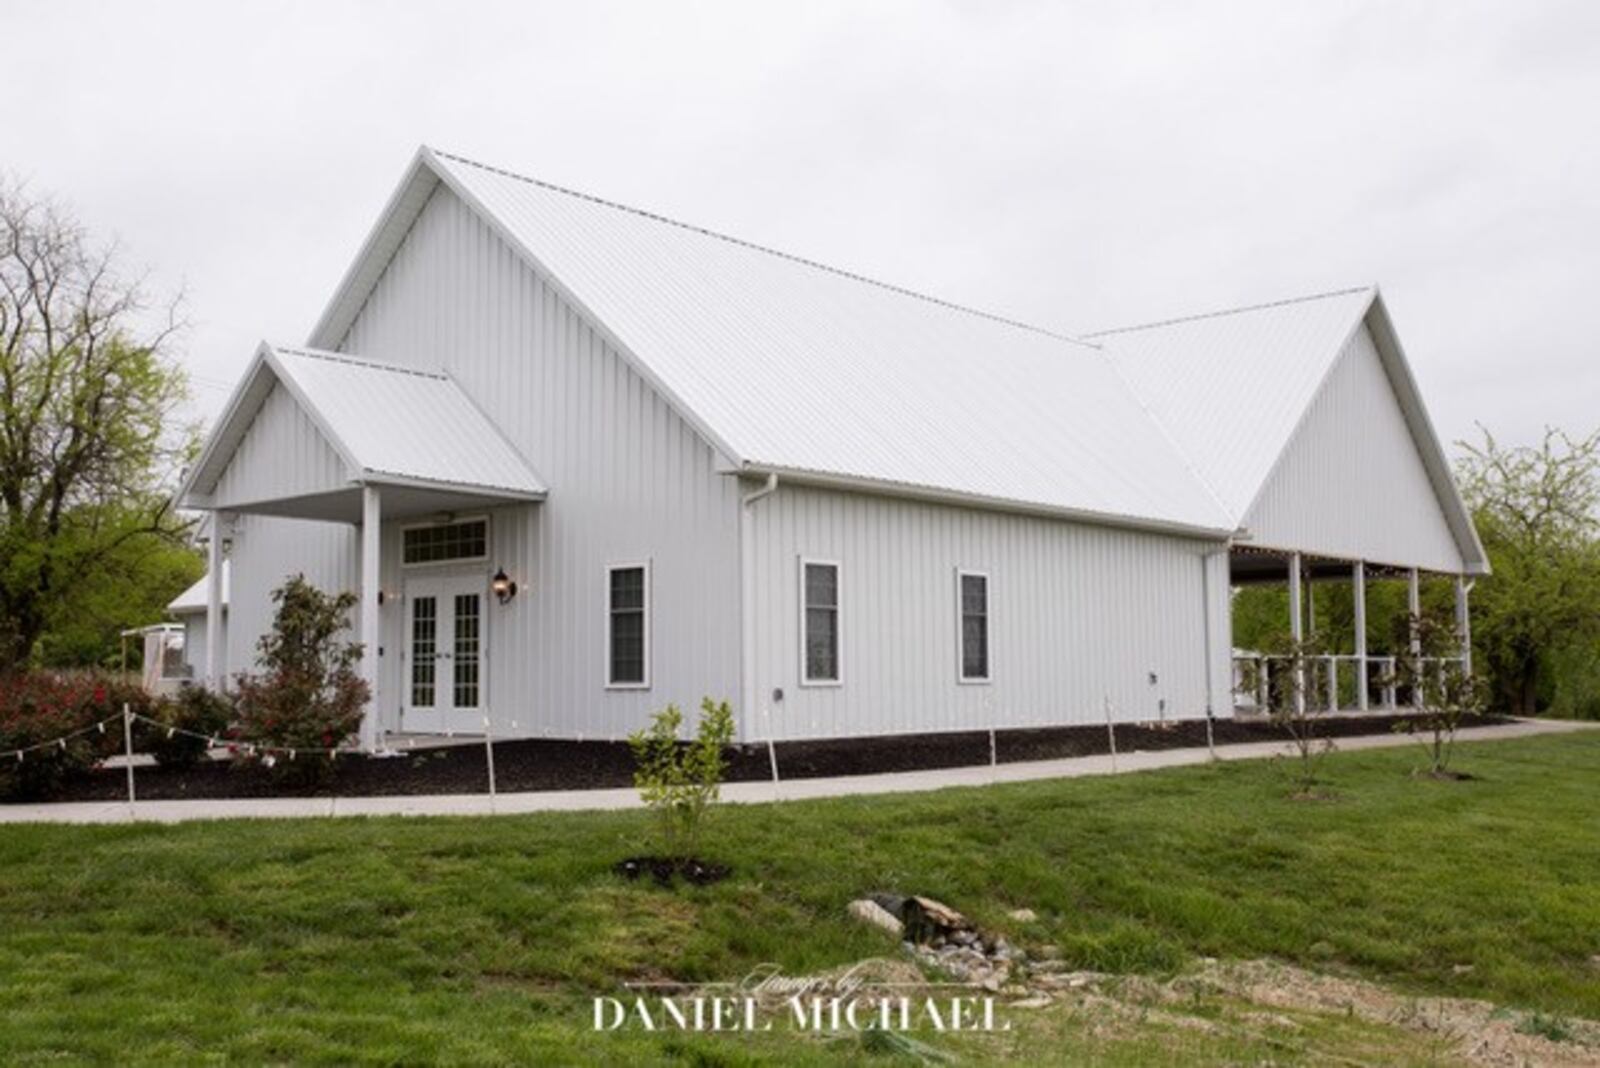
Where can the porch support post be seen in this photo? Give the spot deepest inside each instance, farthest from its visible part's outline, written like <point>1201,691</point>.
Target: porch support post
<point>1464,623</point>
<point>371,527</point>
<point>216,669</point>
<point>1296,631</point>
<point>1358,585</point>
<point>1414,607</point>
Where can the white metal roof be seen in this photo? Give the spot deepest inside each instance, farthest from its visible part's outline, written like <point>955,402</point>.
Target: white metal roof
<point>1231,386</point>
<point>194,599</point>
<point>789,366</point>
<point>391,425</point>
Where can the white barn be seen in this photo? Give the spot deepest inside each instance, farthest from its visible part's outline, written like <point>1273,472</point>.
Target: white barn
<point>581,461</point>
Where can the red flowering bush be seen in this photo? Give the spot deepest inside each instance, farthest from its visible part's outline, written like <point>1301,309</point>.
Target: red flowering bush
<point>308,696</point>
<point>38,708</point>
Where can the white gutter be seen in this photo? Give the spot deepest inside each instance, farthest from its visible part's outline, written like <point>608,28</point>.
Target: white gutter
<point>747,612</point>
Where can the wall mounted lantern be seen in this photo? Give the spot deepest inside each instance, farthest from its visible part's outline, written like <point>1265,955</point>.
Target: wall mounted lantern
<point>503,587</point>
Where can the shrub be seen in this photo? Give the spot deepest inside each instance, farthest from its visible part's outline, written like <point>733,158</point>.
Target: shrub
<point>680,781</point>
<point>1292,703</point>
<point>195,711</point>
<point>41,707</point>
<point>1445,694</point>
<point>308,696</point>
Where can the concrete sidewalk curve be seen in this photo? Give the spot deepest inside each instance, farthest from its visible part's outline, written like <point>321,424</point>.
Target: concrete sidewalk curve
<point>738,793</point>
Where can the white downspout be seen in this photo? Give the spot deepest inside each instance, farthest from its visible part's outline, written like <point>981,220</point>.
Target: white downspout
<point>747,610</point>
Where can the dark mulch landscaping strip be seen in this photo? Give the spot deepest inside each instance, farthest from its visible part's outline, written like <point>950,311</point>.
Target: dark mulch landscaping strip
<point>542,764</point>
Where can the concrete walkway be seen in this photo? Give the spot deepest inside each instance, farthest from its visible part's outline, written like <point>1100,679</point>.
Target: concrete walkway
<point>739,792</point>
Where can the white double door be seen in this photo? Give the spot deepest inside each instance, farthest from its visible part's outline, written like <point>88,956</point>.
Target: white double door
<point>445,641</point>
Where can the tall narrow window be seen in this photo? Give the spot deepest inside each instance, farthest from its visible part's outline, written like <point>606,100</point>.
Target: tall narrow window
<point>628,626</point>
<point>972,597</point>
<point>819,624</point>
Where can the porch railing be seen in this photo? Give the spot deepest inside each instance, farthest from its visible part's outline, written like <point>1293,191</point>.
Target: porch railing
<point>1331,682</point>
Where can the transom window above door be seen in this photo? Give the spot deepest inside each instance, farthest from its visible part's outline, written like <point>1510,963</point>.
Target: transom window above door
<point>440,543</point>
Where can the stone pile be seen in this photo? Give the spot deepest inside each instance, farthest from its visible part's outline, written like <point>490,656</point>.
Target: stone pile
<point>942,939</point>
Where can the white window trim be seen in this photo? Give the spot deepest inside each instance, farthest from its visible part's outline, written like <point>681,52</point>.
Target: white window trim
<point>649,601</point>
<point>988,622</point>
<point>838,619</point>
<point>488,542</point>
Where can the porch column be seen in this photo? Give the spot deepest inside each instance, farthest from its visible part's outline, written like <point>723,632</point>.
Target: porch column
<point>216,669</point>
<point>1464,623</point>
<point>1296,631</point>
<point>1414,607</point>
<point>371,520</point>
<point>1358,586</point>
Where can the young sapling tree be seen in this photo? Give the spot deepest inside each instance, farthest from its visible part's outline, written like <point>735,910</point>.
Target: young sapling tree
<point>1445,693</point>
<point>678,781</point>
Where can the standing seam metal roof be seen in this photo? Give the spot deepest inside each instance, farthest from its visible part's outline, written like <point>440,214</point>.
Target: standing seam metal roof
<point>800,367</point>
<point>372,415</point>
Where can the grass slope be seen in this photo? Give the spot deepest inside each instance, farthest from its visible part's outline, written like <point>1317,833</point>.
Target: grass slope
<point>482,940</point>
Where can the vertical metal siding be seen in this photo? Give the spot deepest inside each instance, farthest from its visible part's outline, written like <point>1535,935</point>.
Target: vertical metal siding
<point>1351,483</point>
<point>1078,613</point>
<point>281,455</point>
<point>628,480</point>
<point>267,549</point>
<point>194,643</point>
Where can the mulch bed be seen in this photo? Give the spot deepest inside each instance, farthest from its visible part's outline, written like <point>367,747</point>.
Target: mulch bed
<point>542,764</point>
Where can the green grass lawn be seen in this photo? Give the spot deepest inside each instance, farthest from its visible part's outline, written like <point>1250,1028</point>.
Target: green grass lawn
<point>405,941</point>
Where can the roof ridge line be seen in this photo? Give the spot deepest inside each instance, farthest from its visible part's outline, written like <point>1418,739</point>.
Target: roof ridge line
<point>791,257</point>
<point>359,361</point>
<point>1263,306</point>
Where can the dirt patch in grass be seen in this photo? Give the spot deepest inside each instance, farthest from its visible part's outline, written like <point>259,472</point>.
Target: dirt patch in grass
<point>544,764</point>
<point>1477,1031</point>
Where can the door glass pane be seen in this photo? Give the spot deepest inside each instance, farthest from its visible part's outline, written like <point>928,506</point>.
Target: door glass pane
<point>424,646</point>
<point>466,650</point>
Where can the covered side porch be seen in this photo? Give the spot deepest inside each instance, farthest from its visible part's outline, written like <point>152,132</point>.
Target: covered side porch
<point>1357,680</point>
<point>330,438</point>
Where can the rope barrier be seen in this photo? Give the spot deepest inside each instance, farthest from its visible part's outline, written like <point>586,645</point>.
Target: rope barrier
<point>61,742</point>
<point>248,748</point>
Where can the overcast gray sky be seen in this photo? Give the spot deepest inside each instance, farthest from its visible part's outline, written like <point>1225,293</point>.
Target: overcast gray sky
<point>1075,165</point>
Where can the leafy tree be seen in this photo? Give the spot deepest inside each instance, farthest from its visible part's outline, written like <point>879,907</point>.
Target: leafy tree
<point>128,587</point>
<point>1536,510</point>
<point>87,392</point>
<point>679,782</point>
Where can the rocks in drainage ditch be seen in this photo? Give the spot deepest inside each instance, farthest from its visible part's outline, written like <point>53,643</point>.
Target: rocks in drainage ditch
<point>940,938</point>
<point>869,911</point>
<point>926,919</point>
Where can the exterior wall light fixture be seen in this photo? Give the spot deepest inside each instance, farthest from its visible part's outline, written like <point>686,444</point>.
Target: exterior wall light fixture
<point>503,587</point>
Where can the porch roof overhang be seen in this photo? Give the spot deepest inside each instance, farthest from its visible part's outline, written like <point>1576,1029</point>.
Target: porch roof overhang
<point>353,423</point>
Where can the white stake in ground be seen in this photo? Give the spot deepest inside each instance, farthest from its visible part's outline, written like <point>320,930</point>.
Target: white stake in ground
<point>127,746</point>
<point>1111,733</point>
<point>772,756</point>
<point>488,753</point>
